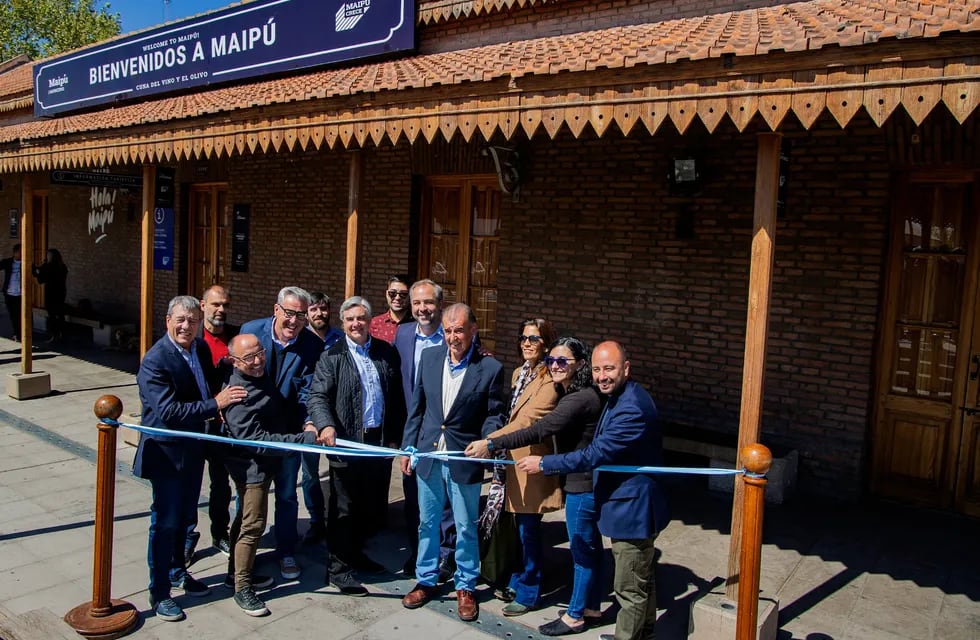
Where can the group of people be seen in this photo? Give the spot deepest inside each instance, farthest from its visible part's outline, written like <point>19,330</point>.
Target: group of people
<point>415,378</point>
<point>53,274</point>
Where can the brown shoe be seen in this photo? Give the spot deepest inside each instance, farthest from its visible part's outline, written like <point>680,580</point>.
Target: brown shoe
<point>466,605</point>
<point>418,596</point>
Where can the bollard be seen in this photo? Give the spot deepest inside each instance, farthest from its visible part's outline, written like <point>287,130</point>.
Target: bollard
<point>104,618</point>
<point>757,459</point>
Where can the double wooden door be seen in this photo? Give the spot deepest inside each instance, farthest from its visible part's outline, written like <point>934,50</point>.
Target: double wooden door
<point>209,241</point>
<point>926,440</point>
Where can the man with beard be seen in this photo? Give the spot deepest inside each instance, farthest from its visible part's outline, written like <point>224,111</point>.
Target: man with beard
<point>384,325</point>
<point>217,333</point>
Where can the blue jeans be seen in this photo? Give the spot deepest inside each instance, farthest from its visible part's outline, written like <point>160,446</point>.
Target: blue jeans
<point>586,547</point>
<point>174,498</point>
<point>287,505</point>
<point>312,493</point>
<point>465,502</point>
<point>526,583</point>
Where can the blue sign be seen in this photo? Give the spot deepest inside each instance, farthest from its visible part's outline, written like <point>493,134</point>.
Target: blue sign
<point>242,41</point>
<point>163,219</point>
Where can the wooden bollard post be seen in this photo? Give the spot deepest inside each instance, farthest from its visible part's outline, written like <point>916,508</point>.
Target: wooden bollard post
<point>757,460</point>
<point>104,618</point>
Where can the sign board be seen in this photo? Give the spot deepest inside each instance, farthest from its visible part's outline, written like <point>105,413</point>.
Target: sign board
<point>14,216</point>
<point>97,179</point>
<point>163,220</point>
<point>242,41</point>
<point>239,237</point>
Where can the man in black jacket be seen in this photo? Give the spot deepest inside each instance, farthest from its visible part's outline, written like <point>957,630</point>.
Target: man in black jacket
<point>258,417</point>
<point>12,280</point>
<point>356,394</point>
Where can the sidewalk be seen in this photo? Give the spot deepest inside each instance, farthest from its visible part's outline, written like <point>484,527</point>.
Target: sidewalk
<point>855,572</point>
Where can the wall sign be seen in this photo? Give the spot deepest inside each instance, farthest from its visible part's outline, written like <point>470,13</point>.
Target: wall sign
<point>163,220</point>
<point>14,216</point>
<point>97,179</point>
<point>242,41</point>
<point>240,237</point>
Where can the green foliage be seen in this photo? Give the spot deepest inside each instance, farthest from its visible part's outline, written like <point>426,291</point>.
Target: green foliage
<point>41,28</point>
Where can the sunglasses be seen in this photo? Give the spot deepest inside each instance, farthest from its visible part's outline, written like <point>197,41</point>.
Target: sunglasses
<point>531,339</point>
<point>561,361</point>
<point>289,313</point>
<point>394,293</point>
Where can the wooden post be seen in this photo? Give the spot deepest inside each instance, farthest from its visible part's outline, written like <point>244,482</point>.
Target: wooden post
<point>756,327</point>
<point>26,288</point>
<point>757,460</point>
<point>352,278</point>
<point>146,263</point>
<point>104,618</point>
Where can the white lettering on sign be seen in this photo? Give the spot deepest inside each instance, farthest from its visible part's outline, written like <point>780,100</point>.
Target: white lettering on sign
<point>349,14</point>
<point>103,203</point>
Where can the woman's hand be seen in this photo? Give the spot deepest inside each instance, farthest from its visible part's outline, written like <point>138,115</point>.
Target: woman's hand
<point>477,449</point>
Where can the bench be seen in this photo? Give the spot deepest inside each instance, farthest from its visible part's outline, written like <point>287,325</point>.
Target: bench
<point>721,450</point>
<point>103,331</point>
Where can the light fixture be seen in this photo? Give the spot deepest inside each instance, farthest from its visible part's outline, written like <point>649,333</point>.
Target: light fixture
<point>684,176</point>
<point>506,161</point>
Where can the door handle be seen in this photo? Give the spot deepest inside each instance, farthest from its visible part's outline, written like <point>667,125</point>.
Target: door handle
<point>970,411</point>
<point>976,366</point>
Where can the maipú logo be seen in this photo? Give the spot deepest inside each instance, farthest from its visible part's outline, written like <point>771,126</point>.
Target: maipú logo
<point>350,13</point>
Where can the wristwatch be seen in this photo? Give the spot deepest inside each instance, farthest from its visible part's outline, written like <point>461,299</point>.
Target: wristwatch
<point>541,465</point>
<point>490,446</point>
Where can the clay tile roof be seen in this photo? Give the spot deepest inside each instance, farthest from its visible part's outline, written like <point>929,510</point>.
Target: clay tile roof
<point>802,26</point>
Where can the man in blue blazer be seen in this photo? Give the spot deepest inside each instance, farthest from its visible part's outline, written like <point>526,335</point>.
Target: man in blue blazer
<point>291,354</point>
<point>411,340</point>
<point>459,397</point>
<point>632,509</point>
<point>173,387</point>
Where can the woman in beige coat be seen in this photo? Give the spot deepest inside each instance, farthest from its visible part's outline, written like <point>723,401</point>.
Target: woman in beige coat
<point>530,496</point>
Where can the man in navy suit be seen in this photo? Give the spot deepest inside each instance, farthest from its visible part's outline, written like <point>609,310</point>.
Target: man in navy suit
<point>291,354</point>
<point>459,397</point>
<point>173,389</point>
<point>632,509</point>
<point>411,340</point>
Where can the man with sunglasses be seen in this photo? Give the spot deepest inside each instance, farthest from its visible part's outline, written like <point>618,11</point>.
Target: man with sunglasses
<point>291,354</point>
<point>385,325</point>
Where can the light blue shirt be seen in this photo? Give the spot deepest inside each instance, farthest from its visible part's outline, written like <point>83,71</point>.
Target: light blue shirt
<point>456,370</point>
<point>190,357</point>
<point>423,342</point>
<point>275,340</point>
<point>370,383</point>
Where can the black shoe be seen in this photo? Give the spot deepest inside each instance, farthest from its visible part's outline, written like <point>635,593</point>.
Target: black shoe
<point>559,628</point>
<point>191,586</point>
<point>223,546</point>
<point>259,581</point>
<point>506,594</point>
<point>315,534</point>
<point>447,567</point>
<point>348,585</point>
<point>365,564</point>
<point>189,546</point>
<point>250,603</point>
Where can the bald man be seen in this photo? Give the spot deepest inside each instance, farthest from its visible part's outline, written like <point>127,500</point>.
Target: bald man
<point>632,509</point>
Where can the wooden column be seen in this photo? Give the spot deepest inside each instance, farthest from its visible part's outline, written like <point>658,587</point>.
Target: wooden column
<point>104,617</point>
<point>757,460</point>
<point>352,277</point>
<point>26,288</point>
<point>756,327</point>
<point>146,262</point>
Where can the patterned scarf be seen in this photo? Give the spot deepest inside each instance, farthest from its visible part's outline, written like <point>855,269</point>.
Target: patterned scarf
<point>495,495</point>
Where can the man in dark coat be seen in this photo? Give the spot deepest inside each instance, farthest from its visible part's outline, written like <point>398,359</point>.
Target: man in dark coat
<point>173,389</point>
<point>357,395</point>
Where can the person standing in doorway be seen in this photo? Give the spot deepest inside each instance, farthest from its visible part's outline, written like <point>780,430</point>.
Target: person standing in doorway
<point>11,288</point>
<point>53,274</point>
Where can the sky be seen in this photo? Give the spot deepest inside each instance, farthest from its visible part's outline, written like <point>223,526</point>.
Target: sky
<point>141,14</point>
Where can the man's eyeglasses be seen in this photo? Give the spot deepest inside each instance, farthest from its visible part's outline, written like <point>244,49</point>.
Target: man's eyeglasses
<point>249,358</point>
<point>289,313</point>
<point>561,361</point>
<point>531,339</point>
<point>395,293</point>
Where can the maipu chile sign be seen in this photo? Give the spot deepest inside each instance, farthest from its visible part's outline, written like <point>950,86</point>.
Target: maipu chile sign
<point>248,40</point>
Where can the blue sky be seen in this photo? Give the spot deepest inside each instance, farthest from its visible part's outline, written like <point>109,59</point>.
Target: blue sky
<point>141,14</point>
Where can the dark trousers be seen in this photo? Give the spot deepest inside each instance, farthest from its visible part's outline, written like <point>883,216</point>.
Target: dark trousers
<point>219,498</point>
<point>358,496</point>
<point>174,499</point>
<point>56,317</point>
<point>13,309</point>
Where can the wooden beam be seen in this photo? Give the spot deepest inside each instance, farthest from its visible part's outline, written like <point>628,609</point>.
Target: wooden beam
<point>26,286</point>
<point>352,277</point>
<point>756,328</point>
<point>146,262</point>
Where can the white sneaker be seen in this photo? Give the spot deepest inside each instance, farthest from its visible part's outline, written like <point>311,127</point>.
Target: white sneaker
<point>289,568</point>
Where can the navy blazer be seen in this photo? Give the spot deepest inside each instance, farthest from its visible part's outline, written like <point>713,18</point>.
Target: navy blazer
<point>479,409</point>
<point>171,399</point>
<point>294,366</point>
<point>631,505</point>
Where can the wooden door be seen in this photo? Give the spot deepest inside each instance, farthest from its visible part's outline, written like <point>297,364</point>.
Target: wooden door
<point>924,446</point>
<point>208,250</point>
<point>460,236</point>
<point>40,205</point>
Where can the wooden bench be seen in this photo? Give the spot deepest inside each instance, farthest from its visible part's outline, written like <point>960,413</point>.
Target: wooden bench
<point>103,331</point>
